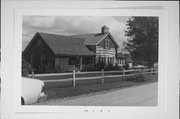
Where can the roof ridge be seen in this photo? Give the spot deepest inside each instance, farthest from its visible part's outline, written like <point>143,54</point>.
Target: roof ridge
<point>86,34</point>
<point>60,35</point>
<point>49,33</point>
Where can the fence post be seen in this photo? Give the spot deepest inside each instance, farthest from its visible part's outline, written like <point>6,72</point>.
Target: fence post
<point>102,76</point>
<point>74,78</point>
<point>32,74</point>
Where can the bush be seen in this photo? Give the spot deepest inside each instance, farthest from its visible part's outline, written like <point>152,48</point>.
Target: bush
<point>126,67</point>
<point>58,69</point>
<point>136,78</point>
<point>88,68</point>
<point>99,66</point>
<point>26,68</point>
<point>113,68</point>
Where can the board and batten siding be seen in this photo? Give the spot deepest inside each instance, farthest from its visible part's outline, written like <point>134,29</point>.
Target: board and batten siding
<point>61,63</point>
<point>38,51</point>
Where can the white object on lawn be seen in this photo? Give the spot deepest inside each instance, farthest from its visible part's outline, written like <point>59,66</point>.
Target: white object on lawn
<point>31,90</point>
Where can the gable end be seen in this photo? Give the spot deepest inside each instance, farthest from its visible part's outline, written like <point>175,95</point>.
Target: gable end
<point>111,41</point>
<point>34,39</point>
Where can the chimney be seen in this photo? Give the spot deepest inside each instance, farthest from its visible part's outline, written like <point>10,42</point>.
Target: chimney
<point>104,29</point>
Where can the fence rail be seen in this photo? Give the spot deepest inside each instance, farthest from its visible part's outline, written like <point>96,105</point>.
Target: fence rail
<point>102,76</point>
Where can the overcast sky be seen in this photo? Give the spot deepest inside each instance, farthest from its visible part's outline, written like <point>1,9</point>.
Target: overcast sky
<point>72,25</point>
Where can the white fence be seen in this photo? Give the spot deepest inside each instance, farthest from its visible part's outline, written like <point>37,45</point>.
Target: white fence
<point>102,75</point>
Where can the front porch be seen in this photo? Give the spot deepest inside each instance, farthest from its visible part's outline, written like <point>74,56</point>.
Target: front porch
<point>81,63</point>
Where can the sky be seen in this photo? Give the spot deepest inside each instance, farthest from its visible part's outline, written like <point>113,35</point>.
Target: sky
<point>73,25</point>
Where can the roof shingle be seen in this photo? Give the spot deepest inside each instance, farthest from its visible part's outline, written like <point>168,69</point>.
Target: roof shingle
<point>65,45</point>
<point>91,39</point>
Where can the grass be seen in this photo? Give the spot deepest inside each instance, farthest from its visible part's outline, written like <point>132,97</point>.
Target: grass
<point>61,90</point>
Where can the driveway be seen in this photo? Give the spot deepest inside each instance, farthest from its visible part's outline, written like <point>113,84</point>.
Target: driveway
<point>144,95</point>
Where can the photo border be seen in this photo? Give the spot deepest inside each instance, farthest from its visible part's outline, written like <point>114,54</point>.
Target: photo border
<point>163,101</point>
<point>19,13</point>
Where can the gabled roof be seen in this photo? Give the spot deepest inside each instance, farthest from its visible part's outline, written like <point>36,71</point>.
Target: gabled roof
<point>94,39</point>
<point>65,45</point>
<point>91,39</point>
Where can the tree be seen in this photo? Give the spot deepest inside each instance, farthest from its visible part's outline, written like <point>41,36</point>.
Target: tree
<point>142,43</point>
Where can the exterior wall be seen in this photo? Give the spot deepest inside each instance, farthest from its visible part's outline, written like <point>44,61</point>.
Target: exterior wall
<point>106,52</point>
<point>61,64</point>
<point>103,42</point>
<point>39,56</point>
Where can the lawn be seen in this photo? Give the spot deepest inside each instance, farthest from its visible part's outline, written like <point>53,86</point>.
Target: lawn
<point>56,90</point>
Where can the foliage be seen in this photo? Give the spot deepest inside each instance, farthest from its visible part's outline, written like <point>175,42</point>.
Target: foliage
<point>26,68</point>
<point>58,69</point>
<point>142,33</point>
<point>113,68</point>
<point>126,66</point>
<point>110,67</point>
<point>99,66</point>
<point>136,78</point>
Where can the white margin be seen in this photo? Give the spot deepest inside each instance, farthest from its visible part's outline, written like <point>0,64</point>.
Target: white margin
<point>11,62</point>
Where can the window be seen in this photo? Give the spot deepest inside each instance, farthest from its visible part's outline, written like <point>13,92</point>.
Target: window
<point>113,60</point>
<point>107,44</point>
<point>99,60</point>
<point>104,59</point>
<point>108,60</point>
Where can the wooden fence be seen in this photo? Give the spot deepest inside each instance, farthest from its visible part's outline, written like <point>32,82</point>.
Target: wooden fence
<point>77,76</point>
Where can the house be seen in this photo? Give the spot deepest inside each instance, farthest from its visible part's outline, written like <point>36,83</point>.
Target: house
<point>123,60</point>
<point>48,52</point>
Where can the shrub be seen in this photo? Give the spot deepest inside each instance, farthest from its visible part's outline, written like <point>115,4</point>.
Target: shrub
<point>58,69</point>
<point>126,66</point>
<point>26,68</point>
<point>136,78</point>
<point>99,66</point>
<point>113,68</point>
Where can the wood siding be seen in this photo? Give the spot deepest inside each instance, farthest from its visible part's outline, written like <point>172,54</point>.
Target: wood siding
<point>61,63</point>
<point>103,42</point>
<point>106,51</point>
<point>43,60</point>
<point>38,49</point>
